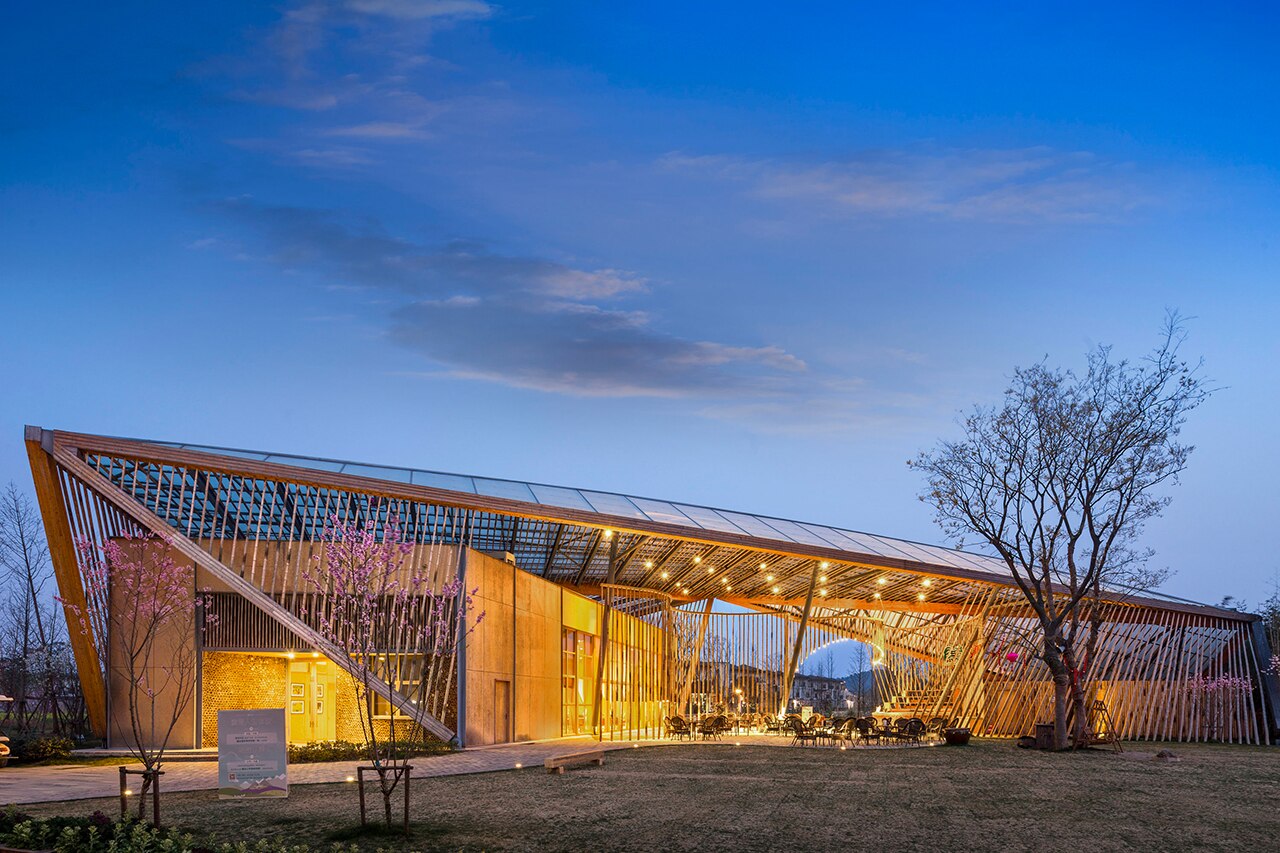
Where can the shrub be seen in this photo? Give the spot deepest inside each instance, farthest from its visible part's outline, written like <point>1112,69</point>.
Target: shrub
<point>43,748</point>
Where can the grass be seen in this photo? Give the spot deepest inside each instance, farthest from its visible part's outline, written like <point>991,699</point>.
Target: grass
<point>989,795</point>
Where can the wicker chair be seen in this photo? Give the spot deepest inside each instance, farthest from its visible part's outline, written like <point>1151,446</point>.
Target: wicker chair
<point>867,729</point>
<point>800,733</point>
<point>678,727</point>
<point>909,730</point>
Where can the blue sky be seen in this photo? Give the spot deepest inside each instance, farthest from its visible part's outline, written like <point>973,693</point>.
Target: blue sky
<point>733,254</point>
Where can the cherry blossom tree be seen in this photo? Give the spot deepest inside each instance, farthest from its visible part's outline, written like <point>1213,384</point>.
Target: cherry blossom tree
<point>149,640</point>
<point>1211,697</point>
<point>403,629</point>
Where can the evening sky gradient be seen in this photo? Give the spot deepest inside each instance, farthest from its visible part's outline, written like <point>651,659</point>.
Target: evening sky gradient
<point>747,255</point>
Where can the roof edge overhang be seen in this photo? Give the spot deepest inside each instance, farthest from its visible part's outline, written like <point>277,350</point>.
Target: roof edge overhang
<point>142,450</point>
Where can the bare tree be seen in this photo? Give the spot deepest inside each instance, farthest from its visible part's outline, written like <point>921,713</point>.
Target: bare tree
<point>1059,482</point>
<point>858,676</point>
<point>31,635</point>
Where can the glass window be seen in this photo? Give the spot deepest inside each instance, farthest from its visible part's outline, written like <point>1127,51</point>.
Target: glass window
<point>578,679</point>
<point>404,674</point>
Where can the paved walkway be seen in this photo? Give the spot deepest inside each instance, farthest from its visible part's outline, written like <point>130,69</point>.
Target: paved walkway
<point>73,782</point>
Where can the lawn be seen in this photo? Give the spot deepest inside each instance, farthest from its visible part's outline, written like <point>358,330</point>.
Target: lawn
<point>989,796</point>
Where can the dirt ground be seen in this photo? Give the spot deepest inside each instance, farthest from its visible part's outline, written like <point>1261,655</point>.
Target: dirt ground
<point>987,796</point>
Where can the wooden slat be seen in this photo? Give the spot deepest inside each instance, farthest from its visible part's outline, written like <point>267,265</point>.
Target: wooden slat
<point>72,463</point>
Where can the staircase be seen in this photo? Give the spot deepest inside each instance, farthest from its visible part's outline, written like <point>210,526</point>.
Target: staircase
<point>918,702</point>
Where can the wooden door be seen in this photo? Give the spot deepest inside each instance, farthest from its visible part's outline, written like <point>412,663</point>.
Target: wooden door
<point>501,711</point>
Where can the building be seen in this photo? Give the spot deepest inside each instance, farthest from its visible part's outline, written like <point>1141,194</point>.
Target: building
<point>821,693</point>
<point>601,611</point>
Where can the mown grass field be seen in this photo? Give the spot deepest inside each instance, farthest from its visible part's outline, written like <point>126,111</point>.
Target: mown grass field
<point>988,796</point>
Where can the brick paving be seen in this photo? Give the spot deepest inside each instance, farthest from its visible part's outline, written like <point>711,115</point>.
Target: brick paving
<point>20,785</point>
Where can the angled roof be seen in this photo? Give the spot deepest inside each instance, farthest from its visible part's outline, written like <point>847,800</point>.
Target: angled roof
<point>554,530</point>
<point>696,519</point>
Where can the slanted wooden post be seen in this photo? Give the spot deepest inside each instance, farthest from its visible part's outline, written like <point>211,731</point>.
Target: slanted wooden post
<point>799,643</point>
<point>66,569</point>
<point>682,701</point>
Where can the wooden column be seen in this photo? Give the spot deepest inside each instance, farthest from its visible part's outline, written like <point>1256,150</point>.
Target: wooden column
<point>604,636</point>
<point>460,718</point>
<point>794,661</point>
<point>66,569</point>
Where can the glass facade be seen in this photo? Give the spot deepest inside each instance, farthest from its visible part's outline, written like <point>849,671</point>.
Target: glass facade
<point>578,676</point>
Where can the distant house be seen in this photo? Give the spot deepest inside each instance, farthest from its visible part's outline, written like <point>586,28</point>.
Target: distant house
<point>828,695</point>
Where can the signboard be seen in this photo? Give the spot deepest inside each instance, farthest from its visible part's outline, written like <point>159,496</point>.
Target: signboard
<point>806,712</point>
<point>253,757</point>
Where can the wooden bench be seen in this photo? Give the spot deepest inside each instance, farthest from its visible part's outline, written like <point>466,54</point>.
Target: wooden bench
<point>557,763</point>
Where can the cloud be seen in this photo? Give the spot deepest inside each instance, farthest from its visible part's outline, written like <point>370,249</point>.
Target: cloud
<point>381,130</point>
<point>417,10</point>
<point>1027,185</point>
<point>519,320</point>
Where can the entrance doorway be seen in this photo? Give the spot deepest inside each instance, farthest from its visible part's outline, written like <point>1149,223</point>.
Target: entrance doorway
<point>311,711</point>
<point>502,712</point>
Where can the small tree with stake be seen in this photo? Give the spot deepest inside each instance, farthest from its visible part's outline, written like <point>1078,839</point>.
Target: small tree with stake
<point>402,629</point>
<point>1059,481</point>
<point>152,649</point>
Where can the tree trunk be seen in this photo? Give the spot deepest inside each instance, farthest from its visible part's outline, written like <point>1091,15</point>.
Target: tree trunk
<point>1061,690</point>
<point>1061,694</point>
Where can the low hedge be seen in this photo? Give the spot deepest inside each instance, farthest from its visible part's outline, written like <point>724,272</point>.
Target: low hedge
<point>99,834</point>
<point>343,750</point>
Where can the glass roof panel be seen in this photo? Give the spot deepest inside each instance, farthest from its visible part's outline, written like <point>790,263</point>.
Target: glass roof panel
<point>397,475</point>
<point>912,552</point>
<point>754,525</point>
<point>558,496</point>
<point>303,462</point>
<point>708,519</point>
<point>504,489</point>
<point>452,482</point>
<point>662,512</point>
<point>945,556</point>
<point>222,451</point>
<point>856,542</point>
<point>800,533</point>
<point>613,505</point>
